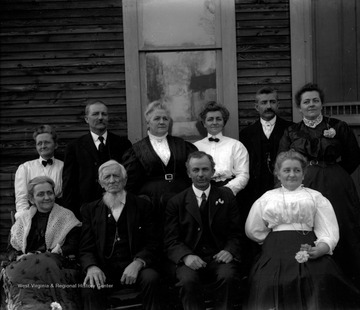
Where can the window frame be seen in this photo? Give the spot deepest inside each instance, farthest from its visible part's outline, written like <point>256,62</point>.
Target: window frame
<point>226,74</point>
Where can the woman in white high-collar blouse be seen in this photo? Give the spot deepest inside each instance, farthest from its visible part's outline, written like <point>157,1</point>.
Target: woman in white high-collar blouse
<point>331,148</point>
<point>231,156</point>
<point>298,232</point>
<point>46,165</point>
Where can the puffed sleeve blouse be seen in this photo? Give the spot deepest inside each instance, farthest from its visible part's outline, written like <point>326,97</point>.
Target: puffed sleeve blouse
<point>302,206</point>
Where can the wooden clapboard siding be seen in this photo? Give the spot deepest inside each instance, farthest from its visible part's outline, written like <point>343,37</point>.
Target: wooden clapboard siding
<point>54,57</point>
<point>263,54</point>
<point>57,54</point>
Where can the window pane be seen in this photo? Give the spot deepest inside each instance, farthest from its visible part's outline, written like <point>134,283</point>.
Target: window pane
<point>186,81</point>
<point>178,23</point>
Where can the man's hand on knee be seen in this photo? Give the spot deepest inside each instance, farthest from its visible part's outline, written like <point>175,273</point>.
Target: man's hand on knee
<point>223,257</point>
<point>131,272</point>
<point>194,262</point>
<point>94,277</point>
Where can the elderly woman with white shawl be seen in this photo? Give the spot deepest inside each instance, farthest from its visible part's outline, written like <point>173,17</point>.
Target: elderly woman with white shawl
<point>42,239</point>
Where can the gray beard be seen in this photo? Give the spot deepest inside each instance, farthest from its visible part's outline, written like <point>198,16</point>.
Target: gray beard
<point>112,201</point>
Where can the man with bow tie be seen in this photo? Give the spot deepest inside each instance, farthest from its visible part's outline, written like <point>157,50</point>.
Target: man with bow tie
<point>119,242</point>
<point>203,237</point>
<point>46,165</point>
<point>84,156</point>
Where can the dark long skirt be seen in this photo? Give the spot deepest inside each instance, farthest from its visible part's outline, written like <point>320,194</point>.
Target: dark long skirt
<point>37,280</point>
<point>278,281</point>
<point>337,186</point>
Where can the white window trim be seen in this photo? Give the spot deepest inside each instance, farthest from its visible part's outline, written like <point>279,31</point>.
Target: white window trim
<point>228,74</point>
<point>301,20</point>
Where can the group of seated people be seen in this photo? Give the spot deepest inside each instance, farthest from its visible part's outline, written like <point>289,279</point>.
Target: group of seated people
<point>164,210</point>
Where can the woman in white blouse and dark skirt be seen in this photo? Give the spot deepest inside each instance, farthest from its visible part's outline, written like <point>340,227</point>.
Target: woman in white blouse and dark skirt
<point>298,231</point>
<point>230,155</point>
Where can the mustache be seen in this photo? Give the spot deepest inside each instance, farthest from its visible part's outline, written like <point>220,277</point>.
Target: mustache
<point>269,110</point>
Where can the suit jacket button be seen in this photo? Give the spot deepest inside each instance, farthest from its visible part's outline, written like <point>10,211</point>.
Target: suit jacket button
<point>199,229</point>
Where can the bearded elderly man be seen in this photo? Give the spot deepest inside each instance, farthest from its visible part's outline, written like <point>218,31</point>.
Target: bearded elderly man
<point>119,243</point>
<point>203,237</point>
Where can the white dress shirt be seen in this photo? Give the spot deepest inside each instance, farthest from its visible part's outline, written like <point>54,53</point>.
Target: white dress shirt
<point>303,207</point>
<point>231,160</point>
<point>268,126</point>
<point>30,170</point>
<point>96,138</point>
<point>198,193</point>
<point>161,147</point>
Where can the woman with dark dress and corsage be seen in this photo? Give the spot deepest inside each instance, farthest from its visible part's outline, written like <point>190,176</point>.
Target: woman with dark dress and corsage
<point>331,148</point>
<point>298,231</point>
<point>156,164</point>
<point>40,275</point>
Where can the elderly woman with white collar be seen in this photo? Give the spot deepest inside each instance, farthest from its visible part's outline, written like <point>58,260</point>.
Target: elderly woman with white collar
<point>230,155</point>
<point>42,240</point>
<point>46,165</point>
<point>156,164</point>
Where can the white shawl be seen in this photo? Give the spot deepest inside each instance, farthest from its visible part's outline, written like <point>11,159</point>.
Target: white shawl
<point>61,221</point>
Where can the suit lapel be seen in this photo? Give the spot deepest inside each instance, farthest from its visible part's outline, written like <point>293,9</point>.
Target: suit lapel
<point>257,138</point>
<point>278,129</point>
<point>89,146</point>
<point>100,223</point>
<point>131,210</point>
<point>111,145</point>
<point>192,206</point>
<point>214,196</point>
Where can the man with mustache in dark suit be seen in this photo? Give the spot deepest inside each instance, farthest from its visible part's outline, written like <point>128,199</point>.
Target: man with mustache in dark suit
<point>261,140</point>
<point>84,156</point>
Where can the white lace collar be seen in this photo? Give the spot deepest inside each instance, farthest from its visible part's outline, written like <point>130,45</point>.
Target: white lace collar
<point>313,123</point>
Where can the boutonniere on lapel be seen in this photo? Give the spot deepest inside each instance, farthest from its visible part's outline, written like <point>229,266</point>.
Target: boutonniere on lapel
<point>329,132</point>
<point>219,201</point>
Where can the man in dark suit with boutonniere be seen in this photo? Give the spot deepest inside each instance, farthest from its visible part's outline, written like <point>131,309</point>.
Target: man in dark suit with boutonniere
<point>203,237</point>
<point>84,156</point>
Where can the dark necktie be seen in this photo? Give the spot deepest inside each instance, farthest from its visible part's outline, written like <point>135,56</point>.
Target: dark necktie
<point>211,139</point>
<point>101,145</point>
<point>203,202</point>
<point>47,162</point>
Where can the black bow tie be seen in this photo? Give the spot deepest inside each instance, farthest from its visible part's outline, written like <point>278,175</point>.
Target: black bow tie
<point>45,162</point>
<point>211,139</point>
